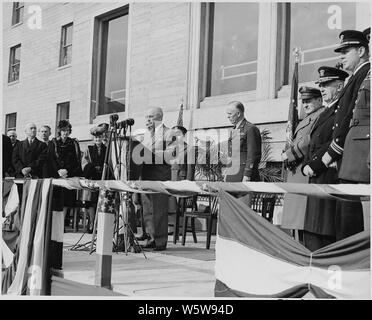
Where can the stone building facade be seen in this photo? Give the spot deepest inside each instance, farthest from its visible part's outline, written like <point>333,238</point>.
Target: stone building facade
<point>83,61</point>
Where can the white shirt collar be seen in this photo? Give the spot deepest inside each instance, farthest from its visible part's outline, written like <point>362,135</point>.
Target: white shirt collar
<point>357,69</point>
<point>239,123</point>
<point>158,127</point>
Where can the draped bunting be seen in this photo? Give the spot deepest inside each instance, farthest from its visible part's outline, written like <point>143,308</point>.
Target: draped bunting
<point>25,273</point>
<point>256,259</point>
<point>253,257</point>
<point>186,188</point>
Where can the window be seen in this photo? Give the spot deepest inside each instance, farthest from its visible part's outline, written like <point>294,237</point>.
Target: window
<point>63,112</point>
<point>110,63</point>
<point>17,15</point>
<point>65,54</point>
<point>232,48</point>
<point>14,63</point>
<point>314,28</point>
<point>10,121</point>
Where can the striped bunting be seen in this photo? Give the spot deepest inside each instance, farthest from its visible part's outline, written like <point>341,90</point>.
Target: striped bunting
<point>256,259</point>
<point>26,272</point>
<point>177,188</point>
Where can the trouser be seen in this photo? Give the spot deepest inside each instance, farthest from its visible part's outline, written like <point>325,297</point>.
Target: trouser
<point>314,241</point>
<point>349,217</point>
<point>155,216</point>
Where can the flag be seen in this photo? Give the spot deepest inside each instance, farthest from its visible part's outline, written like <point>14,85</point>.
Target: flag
<point>26,273</point>
<point>9,222</point>
<point>180,116</point>
<point>256,259</point>
<point>107,201</point>
<point>293,108</point>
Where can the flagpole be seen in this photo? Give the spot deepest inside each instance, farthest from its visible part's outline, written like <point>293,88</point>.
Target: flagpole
<point>293,111</point>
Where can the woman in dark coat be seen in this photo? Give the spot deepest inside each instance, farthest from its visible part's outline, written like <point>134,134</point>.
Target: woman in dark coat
<point>92,164</point>
<point>64,161</point>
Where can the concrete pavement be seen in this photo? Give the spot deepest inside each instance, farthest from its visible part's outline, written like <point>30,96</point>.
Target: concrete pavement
<point>180,271</point>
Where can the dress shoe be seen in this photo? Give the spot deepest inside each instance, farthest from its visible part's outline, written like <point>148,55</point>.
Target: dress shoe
<point>149,244</point>
<point>159,248</point>
<point>144,236</point>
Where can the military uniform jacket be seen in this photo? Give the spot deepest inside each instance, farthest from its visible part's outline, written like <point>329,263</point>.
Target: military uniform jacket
<point>320,137</point>
<point>320,213</point>
<point>301,138</point>
<point>249,151</point>
<point>355,159</point>
<point>26,155</point>
<point>294,207</point>
<point>344,113</point>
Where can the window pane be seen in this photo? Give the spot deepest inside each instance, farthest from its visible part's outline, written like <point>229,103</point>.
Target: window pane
<point>67,55</point>
<point>63,111</point>
<point>11,121</point>
<point>234,51</point>
<point>17,55</point>
<point>315,28</point>
<point>66,45</point>
<point>68,35</point>
<point>116,63</point>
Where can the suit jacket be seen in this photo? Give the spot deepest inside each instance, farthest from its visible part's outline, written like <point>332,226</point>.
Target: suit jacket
<point>346,104</point>
<point>248,149</point>
<point>26,155</point>
<point>355,159</point>
<point>155,167</point>
<point>7,154</point>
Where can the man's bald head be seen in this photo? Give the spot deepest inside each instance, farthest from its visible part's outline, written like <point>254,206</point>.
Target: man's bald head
<point>153,117</point>
<point>31,130</point>
<point>156,112</point>
<point>235,112</point>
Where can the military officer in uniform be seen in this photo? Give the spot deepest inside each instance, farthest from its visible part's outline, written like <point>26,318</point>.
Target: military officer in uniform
<point>295,205</point>
<point>248,148</point>
<point>319,226</point>
<point>354,54</point>
<point>354,166</point>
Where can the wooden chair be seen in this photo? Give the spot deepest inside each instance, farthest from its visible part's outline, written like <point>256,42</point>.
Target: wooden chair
<point>264,204</point>
<point>210,215</point>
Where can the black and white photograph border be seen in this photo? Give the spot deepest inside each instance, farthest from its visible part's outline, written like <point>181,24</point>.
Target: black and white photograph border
<point>255,119</point>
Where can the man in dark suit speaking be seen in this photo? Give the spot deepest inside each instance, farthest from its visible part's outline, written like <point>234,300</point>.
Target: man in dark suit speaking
<point>244,146</point>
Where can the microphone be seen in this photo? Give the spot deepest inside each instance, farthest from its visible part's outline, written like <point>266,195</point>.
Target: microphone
<point>126,123</point>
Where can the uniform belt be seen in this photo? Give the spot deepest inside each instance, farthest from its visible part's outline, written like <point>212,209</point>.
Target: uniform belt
<point>359,122</point>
